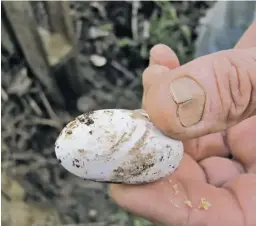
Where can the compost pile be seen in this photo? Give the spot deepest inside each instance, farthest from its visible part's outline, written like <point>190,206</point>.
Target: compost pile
<point>114,39</point>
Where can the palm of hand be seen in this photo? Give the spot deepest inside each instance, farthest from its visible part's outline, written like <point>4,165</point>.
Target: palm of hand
<point>227,185</point>
<point>208,188</point>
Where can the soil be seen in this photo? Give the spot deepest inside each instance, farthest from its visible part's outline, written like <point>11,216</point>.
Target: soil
<point>35,186</point>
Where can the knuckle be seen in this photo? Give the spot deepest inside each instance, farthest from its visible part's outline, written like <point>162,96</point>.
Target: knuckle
<point>152,74</point>
<point>236,85</point>
<point>151,77</point>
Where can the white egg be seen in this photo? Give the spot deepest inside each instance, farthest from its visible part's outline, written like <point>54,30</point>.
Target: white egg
<point>117,146</point>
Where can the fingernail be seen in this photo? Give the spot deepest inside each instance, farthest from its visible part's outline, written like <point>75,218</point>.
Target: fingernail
<point>190,98</point>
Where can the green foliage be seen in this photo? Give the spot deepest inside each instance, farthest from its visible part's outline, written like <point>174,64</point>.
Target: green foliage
<point>138,221</point>
<point>123,42</point>
<point>106,27</point>
<point>123,218</point>
<point>170,29</point>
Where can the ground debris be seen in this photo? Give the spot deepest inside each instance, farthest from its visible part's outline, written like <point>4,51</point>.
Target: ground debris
<point>24,214</point>
<point>204,204</point>
<point>175,204</point>
<point>31,122</point>
<point>97,60</point>
<point>188,203</point>
<point>20,84</point>
<point>176,190</point>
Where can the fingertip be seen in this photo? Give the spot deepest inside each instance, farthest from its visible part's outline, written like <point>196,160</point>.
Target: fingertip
<point>113,189</point>
<point>117,192</point>
<point>163,55</point>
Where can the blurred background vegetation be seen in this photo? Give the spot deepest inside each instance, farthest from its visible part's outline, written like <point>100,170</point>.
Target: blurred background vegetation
<point>113,42</point>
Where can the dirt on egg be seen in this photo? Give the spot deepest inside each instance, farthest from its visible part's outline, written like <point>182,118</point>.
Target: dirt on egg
<point>138,165</point>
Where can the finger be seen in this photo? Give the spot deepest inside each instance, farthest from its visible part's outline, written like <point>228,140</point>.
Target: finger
<point>163,55</point>
<point>200,148</point>
<point>165,58</point>
<point>207,95</point>
<point>239,141</point>
<point>242,144</point>
<point>206,146</point>
<point>197,148</point>
<point>181,199</point>
<point>212,144</point>
<point>219,170</point>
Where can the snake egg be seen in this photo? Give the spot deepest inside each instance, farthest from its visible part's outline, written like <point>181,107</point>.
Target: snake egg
<point>117,146</point>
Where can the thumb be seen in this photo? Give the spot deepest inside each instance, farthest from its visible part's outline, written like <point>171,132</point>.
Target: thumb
<point>204,96</point>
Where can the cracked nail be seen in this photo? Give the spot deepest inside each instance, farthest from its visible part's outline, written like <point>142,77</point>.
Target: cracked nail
<point>190,98</point>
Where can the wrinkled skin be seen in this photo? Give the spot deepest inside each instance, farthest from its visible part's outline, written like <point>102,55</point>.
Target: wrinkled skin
<point>228,184</point>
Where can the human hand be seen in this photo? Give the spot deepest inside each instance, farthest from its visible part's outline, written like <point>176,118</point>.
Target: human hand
<point>215,120</point>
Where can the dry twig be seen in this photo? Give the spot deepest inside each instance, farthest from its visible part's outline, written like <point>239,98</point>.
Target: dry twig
<point>135,8</point>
